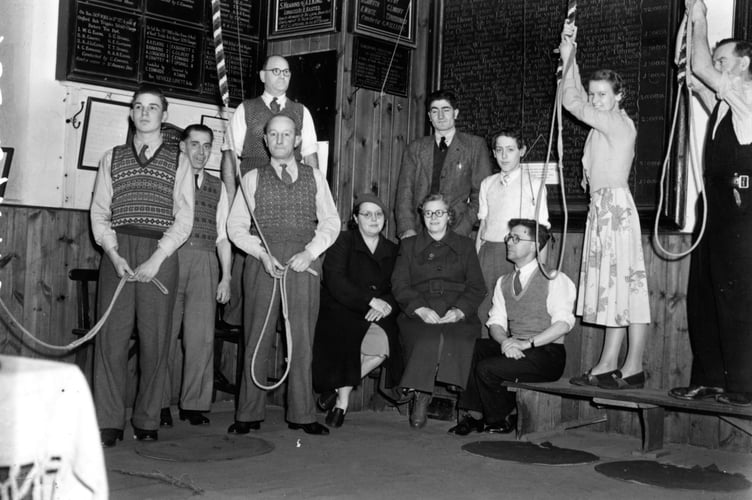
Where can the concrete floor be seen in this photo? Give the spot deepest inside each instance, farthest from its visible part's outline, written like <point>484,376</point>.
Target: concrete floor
<point>376,455</point>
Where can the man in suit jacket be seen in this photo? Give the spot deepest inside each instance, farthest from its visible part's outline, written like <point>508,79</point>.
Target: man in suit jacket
<point>449,162</point>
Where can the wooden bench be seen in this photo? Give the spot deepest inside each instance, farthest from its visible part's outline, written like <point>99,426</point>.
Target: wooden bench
<point>537,405</point>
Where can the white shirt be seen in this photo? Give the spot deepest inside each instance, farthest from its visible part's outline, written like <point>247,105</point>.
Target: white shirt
<point>559,303</point>
<point>237,128</point>
<point>500,202</point>
<point>736,94</point>
<point>239,221</point>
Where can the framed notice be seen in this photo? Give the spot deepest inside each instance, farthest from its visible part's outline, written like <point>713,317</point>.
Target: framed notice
<point>5,160</point>
<point>392,20</point>
<point>301,17</point>
<point>218,126</point>
<point>105,126</point>
<point>380,66</point>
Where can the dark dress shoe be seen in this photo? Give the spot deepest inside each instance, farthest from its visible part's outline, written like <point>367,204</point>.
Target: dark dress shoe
<point>335,417</point>
<point>145,435</point>
<point>194,417</point>
<point>590,379</point>
<point>240,427</point>
<point>695,392</point>
<point>110,437</point>
<point>326,400</point>
<point>734,399</point>
<point>419,411</point>
<point>506,426</point>
<point>224,325</point>
<point>165,417</point>
<point>616,381</point>
<point>466,425</point>
<point>312,428</point>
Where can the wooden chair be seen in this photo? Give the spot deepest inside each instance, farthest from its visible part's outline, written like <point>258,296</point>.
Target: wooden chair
<point>86,302</point>
<point>234,335</point>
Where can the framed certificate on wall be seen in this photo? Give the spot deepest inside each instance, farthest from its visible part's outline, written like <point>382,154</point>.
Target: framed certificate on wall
<point>296,18</point>
<point>105,126</point>
<point>392,20</point>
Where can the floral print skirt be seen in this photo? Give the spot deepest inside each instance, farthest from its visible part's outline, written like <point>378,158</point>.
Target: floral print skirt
<point>613,287</point>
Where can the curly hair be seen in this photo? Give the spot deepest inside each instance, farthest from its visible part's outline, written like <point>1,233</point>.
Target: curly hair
<point>438,197</point>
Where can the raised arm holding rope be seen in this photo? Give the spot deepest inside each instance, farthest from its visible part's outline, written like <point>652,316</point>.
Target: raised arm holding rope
<point>297,215</point>
<point>141,212</point>
<point>719,295</point>
<point>613,283</point>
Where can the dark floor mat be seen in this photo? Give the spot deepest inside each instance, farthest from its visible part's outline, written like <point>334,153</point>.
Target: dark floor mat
<point>673,477</point>
<point>529,453</point>
<point>204,448</point>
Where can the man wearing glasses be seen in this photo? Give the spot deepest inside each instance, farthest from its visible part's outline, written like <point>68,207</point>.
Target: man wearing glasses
<point>449,162</point>
<point>528,321</point>
<point>246,129</point>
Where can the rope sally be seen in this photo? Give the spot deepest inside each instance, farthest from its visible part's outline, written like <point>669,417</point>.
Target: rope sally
<point>224,92</point>
<point>561,70</point>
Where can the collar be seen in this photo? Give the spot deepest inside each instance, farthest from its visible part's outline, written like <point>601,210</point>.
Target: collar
<point>154,144</point>
<point>449,136</point>
<point>527,271</point>
<point>450,239</point>
<point>507,177</point>
<point>267,98</point>
<point>359,245</point>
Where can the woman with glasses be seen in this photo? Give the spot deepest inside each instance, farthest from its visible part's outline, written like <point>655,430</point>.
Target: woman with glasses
<point>356,329</point>
<point>509,194</point>
<point>438,284</point>
<point>613,289</point>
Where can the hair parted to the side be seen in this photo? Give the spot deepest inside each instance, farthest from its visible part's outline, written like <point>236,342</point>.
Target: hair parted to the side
<point>196,127</point>
<point>441,94</point>
<point>543,234</point>
<point>614,79</point>
<point>147,88</point>
<point>742,48</point>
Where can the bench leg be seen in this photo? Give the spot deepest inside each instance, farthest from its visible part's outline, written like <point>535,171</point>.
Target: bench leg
<point>537,411</point>
<point>652,428</point>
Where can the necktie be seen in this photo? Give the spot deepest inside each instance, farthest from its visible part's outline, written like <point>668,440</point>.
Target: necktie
<point>504,179</point>
<point>142,154</point>
<point>517,283</point>
<point>195,181</point>
<point>442,144</point>
<point>286,177</point>
<point>274,106</point>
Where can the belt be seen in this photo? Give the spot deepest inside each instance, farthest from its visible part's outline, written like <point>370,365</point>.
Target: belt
<point>735,180</point>
<point>439,286</point>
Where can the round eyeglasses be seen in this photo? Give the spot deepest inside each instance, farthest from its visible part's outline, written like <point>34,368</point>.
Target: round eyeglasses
<point>428,214</point>
<point>514,238</point>
<point>278,71</point>
<point>372,215</point>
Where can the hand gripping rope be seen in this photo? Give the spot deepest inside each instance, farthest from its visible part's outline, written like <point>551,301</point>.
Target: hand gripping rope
<point>682,58</point>
<point>561,70</point>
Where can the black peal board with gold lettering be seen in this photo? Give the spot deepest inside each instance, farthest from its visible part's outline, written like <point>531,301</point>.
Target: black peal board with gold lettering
<point>499,58</point>
<point>169,43</point>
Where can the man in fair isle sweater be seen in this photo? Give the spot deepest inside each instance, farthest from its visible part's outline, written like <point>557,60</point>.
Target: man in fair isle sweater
<point>141,212</point>
<point>297,216</point>
<point>199,284</point>
<point>529,318</point>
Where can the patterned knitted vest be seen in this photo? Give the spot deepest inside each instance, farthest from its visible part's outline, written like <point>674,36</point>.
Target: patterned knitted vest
<point>142,195</point>
<point>204,232</point>
<point>286,213</point>
<point>527,313</point>
<point>255,154</point>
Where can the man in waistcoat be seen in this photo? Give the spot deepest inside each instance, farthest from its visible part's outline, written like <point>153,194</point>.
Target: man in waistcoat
<point>246,131</point>
<point>296,214</point>
<point>529,318</point>
<point>199,283</point>
<point>719,295</point>
<point>141,212</point>
<point>449,162</point>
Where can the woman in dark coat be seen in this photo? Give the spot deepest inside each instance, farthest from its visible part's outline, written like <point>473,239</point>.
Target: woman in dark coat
<point>438,284</point>
<point>356,329</point>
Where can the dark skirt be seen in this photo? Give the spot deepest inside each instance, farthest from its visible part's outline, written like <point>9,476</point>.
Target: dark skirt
<point>450,346</point>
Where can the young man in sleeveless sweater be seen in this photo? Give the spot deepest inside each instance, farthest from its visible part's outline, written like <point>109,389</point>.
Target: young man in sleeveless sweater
<point>529,318</point>
<point>141,212</point>
<point>199,283</point>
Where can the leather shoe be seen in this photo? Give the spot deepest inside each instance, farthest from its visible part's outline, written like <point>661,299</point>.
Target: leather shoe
<point>165,417</point>
<point>590,379</point>
<point>194,417</point>
<point>419,410</point>
<point>110,437</point>
<point>506,426</point>
<point>335,417</point>
<point>240,427</point>
<point>616,381</point>
<point>466,425</point>
<point>695,392</point>
<point>312,428</point>
<point>145,434</point>
<point>734,399</point>
<point>326,400</point>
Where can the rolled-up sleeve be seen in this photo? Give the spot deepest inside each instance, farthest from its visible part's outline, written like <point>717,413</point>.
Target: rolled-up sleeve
<point>738,97</point>
<point>498,313</point>
<point>560,300</point>
<point>222,212</point>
